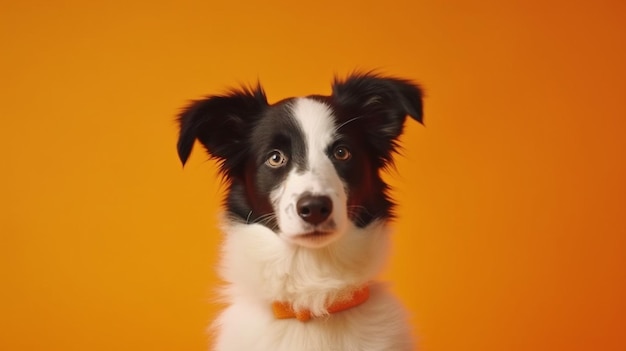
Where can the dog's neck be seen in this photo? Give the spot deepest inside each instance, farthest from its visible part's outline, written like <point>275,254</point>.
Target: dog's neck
<point>258,265</point>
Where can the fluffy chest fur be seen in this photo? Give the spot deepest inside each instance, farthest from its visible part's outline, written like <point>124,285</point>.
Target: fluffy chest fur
<point>261,268</point>
<point>306,211</point>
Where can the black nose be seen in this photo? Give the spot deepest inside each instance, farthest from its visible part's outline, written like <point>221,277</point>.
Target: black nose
<point>314,209</point>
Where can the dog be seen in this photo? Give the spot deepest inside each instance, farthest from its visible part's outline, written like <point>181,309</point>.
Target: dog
<point>306,213</point>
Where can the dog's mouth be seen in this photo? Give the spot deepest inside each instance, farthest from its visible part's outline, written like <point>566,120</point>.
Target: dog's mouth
<point>314,239</point>
<point>315,234</point>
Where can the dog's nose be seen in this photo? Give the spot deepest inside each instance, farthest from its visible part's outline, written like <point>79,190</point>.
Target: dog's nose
<point>314,209</point>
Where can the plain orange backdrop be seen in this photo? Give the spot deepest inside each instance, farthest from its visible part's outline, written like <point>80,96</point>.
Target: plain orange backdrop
<point>511,232</point>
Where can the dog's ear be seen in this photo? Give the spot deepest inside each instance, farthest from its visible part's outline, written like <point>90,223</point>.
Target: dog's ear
<point>220,123</point>
<point>386,101</point>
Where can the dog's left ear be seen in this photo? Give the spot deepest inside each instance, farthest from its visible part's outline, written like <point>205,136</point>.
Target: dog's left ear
<point>383,101</point>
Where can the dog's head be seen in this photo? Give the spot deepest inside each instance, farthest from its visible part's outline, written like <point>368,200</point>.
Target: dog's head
<point>307,168</point>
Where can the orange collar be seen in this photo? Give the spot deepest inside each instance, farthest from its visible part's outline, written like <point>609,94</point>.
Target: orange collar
<point>283,310</point>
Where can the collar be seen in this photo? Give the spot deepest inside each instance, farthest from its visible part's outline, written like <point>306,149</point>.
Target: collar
<point>284,310</point>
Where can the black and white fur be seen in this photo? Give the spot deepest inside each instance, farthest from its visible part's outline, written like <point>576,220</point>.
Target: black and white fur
<point>306,211</point>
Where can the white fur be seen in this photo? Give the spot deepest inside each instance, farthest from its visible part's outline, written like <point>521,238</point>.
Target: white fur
<point>260,267</point>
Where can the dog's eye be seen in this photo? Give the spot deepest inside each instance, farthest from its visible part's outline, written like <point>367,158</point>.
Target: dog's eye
<point>341,153</point>
<point>276,159</point>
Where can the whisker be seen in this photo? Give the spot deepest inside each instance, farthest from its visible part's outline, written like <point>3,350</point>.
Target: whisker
<point>267,219</point>
<point>354,211</point>
<point>347,122</point>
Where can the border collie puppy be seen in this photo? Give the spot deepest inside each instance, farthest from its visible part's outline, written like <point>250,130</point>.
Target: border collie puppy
<point>306,213</point>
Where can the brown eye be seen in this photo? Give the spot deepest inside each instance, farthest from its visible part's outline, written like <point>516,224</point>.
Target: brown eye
<point>276,159</point>
<point>341,153</point>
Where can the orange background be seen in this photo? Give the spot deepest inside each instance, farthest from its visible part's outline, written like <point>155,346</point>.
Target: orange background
<point>511,232</point>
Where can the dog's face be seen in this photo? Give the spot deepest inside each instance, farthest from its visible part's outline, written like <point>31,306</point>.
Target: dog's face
<point>308,167</point>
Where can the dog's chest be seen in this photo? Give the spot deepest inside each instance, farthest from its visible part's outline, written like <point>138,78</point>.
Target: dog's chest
<point>378,324</point>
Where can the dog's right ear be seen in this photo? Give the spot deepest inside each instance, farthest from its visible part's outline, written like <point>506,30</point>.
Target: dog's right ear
<point>220,123</point>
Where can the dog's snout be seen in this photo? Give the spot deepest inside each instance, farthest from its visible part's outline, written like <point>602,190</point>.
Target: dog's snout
<point>314,209</point>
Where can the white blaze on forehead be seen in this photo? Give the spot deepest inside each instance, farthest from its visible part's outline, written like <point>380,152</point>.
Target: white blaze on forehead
<point>318,177</point>
<point>317,123</point>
